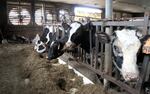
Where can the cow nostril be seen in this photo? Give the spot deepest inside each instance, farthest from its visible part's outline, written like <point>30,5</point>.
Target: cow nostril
<point>131,77</point>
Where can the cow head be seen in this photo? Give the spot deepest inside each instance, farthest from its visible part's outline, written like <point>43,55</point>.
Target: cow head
<point>75,36</point>
<point>38,44</point>
<point>48,34</point>
<point>43,41</point>
<point>127,44</point>
<point>55,50</point>
<point>56,46</point>
<point>40,47</point>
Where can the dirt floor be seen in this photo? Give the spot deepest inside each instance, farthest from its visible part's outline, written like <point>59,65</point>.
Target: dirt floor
<point>22,71</point>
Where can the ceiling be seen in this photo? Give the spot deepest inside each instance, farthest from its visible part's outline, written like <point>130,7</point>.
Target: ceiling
<point>125,5</point>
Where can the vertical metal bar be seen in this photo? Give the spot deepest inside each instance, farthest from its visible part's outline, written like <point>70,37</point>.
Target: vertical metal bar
<point>96,49</point>
<point>33,12</point>
<point>149,30</point>
<point>43,13</point>
<point>108,9</point>
<point>143,73</point>
<point>102,51</point>
<point>102,56</point>
<point>148,72</point>
<point>91,57</point>
<point>108,61</point>
<point>84,56</point>
<point>78,53</point>
<point>146,22</point>
<point>102,45</point>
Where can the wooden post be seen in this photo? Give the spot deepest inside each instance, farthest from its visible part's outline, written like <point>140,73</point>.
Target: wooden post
<point>108,56</point>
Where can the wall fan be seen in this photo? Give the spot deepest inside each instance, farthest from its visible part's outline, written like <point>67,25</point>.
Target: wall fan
<point>19,15</point>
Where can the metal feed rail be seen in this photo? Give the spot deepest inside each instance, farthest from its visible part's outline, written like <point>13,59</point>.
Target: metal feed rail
<point>145,24</point>
<point>95,55</point>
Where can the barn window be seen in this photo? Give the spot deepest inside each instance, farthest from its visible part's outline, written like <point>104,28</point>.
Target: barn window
<point>19,17</point>
<point>39,16</point>
<point>82,12</point>
<point>43,14</point>
<point>50,15</point>
<point>63,15</point>
<point>18,13</point>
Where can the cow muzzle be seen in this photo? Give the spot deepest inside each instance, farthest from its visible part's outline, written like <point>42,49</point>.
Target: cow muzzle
<point>69,46</point>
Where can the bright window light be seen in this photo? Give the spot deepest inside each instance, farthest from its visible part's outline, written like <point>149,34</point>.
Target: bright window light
<point>39,16</point>
<point>87,10</point>
<point>81,13</point>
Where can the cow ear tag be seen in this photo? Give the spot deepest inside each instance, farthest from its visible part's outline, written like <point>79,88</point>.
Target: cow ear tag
<point>146,47</point>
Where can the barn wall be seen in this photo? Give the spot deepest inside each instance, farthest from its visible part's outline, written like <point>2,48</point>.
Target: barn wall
<point>32,29</point>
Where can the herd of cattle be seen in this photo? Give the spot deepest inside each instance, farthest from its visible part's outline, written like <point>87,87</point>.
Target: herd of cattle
<point>127,44</point>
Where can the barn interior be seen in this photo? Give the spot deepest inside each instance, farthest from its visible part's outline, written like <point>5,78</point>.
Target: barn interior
<point>34,9</point>
<point>23,71</point>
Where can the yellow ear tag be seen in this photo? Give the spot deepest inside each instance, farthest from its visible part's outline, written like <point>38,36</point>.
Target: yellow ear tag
<point>146,47</point>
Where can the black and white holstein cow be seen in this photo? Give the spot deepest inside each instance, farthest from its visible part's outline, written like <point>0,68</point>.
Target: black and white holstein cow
<point>127,42</point>
<point>79,35</point>
<point>125,46</point>
<point>47,42</point>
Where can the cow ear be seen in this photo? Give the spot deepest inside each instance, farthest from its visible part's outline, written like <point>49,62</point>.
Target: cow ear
<point>146,37</point>
<point>103,37</point>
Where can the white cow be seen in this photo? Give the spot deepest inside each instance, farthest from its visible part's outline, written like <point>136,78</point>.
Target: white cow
<point>128,45</point>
